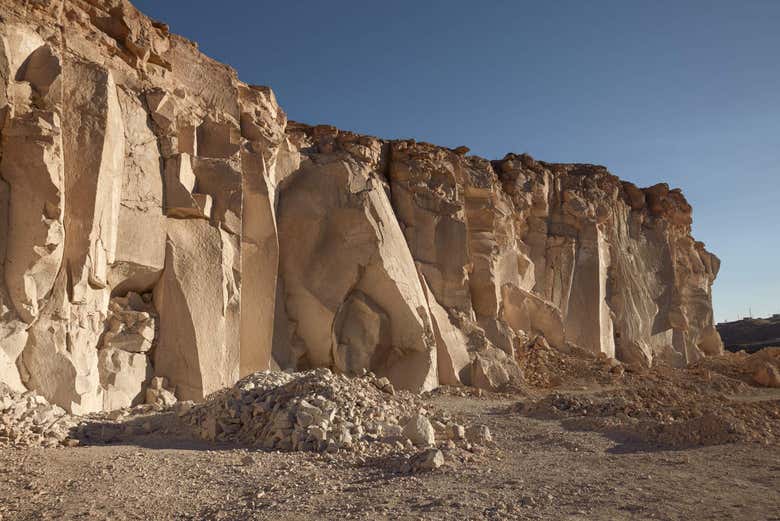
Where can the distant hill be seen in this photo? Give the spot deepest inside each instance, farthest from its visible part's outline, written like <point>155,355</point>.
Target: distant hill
<point>751,334</point>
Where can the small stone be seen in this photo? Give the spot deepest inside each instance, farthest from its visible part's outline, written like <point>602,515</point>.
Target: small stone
<point>420,431</point>
<point>456,432</point>
<point>428,460</point>
<point>318,433</point>
<point>479,434</point>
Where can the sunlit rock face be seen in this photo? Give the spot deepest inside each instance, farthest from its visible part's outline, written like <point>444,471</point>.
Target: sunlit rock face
<point>162,218</point>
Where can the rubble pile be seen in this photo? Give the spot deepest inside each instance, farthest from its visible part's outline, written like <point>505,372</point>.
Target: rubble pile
<point>547,367</point>
<point>27,419</point>
<point>668,407</point>
<point>318,410</point>
<point>760,369</point>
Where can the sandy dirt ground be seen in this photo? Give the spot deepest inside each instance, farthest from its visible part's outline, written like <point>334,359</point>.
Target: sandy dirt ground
<point>545,468</point>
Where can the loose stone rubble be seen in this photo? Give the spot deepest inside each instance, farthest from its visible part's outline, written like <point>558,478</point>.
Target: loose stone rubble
<point>160,218</point>
<point>27,419</point>
<point>321,411</point>
<point>669,407</point>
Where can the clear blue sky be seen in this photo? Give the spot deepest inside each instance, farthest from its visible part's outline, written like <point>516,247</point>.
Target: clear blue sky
<point>686,92</point>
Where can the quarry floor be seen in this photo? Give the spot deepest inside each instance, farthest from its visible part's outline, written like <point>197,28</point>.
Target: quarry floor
<point>537,470</point>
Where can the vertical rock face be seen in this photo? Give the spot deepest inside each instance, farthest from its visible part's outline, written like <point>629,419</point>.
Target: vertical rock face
<point>352,292</point>
<point>197,297</point>
<point>158,217</point>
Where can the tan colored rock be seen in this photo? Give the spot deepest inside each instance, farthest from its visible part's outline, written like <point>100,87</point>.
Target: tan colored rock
<point>123,376</point>
<point>221,181</point>
<point>427,460</point>
<point>162,107</point>
<point>218,139</point>
<point>196,299</point>
<point>430,208</point>
<point>259,268</point>
<point>767,375</point>
<point>451,352</point>
<point>526,312</point>
<point>131,162</point>
<point>493,251</point>
<point>264,163</point>
<point>31,170</point>
<point>13,337</point>
<point>131,324</point>
<point>346,267</point>
<point>60,359</point>
<point>140,244</point>
<point>32,166</point>
<point>581,223</point>
<point>94,144</point>
<point>159,393</point>
<point>493,370</point>
<point>420,431</point>
<point>181,201</point>
<point>588,319</point>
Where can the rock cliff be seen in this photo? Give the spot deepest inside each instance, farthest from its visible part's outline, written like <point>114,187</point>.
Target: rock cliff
<point>162,218</point>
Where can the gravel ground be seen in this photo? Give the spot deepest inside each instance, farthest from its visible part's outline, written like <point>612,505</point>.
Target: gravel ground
<point>538,469</point>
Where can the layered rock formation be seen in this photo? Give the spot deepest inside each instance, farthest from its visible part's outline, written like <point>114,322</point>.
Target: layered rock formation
<point>162,218</point>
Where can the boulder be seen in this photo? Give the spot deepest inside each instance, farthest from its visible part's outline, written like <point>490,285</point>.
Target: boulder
<point>493,370</point>
<point>427,460</point>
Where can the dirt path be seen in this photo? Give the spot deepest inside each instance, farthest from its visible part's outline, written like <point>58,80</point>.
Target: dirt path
<point>539,470</point>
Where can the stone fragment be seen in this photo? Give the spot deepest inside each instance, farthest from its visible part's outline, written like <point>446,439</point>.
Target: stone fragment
<point>493,370</point>
<point>420,431</point>
<point>28,420</point>
<point>427,460</point>
<point>132,324</point>
<point>162,107</point>
<point>456,431</point>
<point>479,434</point>
<point>162,397</point>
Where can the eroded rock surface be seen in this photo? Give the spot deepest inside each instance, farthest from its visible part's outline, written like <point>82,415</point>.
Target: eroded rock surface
<point>162,221</point>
